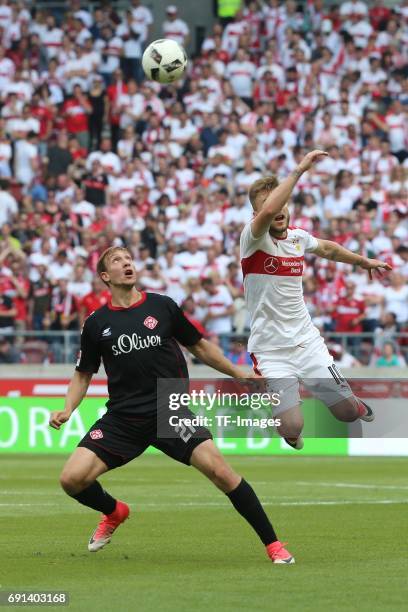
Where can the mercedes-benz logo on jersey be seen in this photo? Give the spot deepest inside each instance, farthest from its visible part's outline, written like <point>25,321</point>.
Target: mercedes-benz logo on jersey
<point>271,265</point>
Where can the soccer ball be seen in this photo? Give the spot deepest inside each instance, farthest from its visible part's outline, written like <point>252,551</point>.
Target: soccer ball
<point>164,61</point>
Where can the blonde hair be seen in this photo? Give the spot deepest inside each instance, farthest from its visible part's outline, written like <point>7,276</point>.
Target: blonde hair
<point>266,183</point>
<point>101,265</point>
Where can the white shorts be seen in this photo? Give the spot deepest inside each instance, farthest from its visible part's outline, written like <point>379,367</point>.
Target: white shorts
<point>309,363</point>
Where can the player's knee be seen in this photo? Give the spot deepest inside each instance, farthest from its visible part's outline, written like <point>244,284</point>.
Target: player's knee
<point>73,482</point>
<point>222,475</point>
<point>346,411</point>
<point>290,427</point>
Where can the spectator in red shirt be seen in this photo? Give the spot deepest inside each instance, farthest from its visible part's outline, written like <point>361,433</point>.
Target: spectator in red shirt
<point>76,110</point>
<point>349,311</point>
<point>95,299</point>
<point>378,14</point>
<point>20,292</point>
<point>44,113</point>
<point>113,92</point>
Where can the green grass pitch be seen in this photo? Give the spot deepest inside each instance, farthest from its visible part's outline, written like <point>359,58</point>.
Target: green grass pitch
<point>184,547</point>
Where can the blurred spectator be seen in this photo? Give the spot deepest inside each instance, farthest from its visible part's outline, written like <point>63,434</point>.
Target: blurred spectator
<point>97,99</point>
<point>349,311</point>
<point>189,308</point>
<point>98,296</point>
<point>79,286</point>
<point>8,313</point>
<point>238,353</point>
<point>174,27</point>
<point>60,268</point>
<point>389,357</point>
<point>8,352</point>
<point>92,155</point>
<point>59,158</point>
<point>396,298</point>
<point>342,358</point>
<point>387,328</point>
<point>220,308</point>
<point>40,298</point>
<point>64,315</point>
<point>8,204</point>
<point>76,110</point>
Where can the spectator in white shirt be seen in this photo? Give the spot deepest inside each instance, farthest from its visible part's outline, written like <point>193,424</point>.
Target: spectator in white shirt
<point>359,29</point>
<point>247,176</point>
<point>174,27</point>
<point>26,159</point>
<point>132,33</point>
<point>396,298</point>
<point>8,204</point>
<point>375,74</point>
<point>396,125</point>
<point>353,7</point>
<point>79,286</point>
<point>239,214</point>
<point>192,260</point>
<point>142,16</point>
<point>241,73</point>
<point>206,233</point>
<point>51,37</point>
<point>7,69</point>
<point>60,268</point>
<point>183,130</point>
<point>177,228</point>
<point>220,309</point>
<point>109,161</point>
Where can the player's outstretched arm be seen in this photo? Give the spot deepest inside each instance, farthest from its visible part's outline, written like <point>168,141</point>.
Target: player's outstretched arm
<point>277,199</point>
<point>211,355</point>
<point>331,250</point>
<point>76,392</point>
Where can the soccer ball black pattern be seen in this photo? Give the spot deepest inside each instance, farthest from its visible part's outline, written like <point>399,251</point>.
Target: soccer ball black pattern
<point>164,61</point>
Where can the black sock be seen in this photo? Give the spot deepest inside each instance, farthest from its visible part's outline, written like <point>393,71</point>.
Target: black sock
<point>246,502</point>
<point>96,498</point>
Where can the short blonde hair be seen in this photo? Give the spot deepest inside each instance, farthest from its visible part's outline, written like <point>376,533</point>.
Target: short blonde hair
<point>101,265</point>
<point>266,183</point>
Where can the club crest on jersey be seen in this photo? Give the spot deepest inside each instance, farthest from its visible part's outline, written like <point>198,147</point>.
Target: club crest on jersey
<point>150,322</point>
<point>96,434</point>
<point>295,241</point>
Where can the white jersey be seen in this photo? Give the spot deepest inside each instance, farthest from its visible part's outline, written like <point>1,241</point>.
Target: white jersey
<point>272,270</point>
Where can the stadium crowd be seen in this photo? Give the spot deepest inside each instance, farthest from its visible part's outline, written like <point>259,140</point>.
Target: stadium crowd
<point>92,154</point>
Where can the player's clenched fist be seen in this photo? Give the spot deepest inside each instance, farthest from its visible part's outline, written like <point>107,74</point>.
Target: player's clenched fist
<point>58,418</point>
<point>310,159</point>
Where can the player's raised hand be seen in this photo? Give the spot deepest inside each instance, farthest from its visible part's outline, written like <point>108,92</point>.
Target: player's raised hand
<point>311,158</point>
<point>58,418</point>
<point>375,264</point>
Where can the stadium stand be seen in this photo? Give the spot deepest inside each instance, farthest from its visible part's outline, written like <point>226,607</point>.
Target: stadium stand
<point>93,155</point>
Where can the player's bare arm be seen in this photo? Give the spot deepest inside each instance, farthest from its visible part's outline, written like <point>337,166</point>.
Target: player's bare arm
<point>76,392</point>
<point>333,251</point>
<point>211,355</point>
<point>268,207</point>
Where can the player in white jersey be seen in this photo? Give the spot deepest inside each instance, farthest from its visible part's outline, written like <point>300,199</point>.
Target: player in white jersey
<point>284,344</point>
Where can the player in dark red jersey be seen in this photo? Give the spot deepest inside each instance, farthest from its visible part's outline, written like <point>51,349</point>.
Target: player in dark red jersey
<point>136,335</point>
